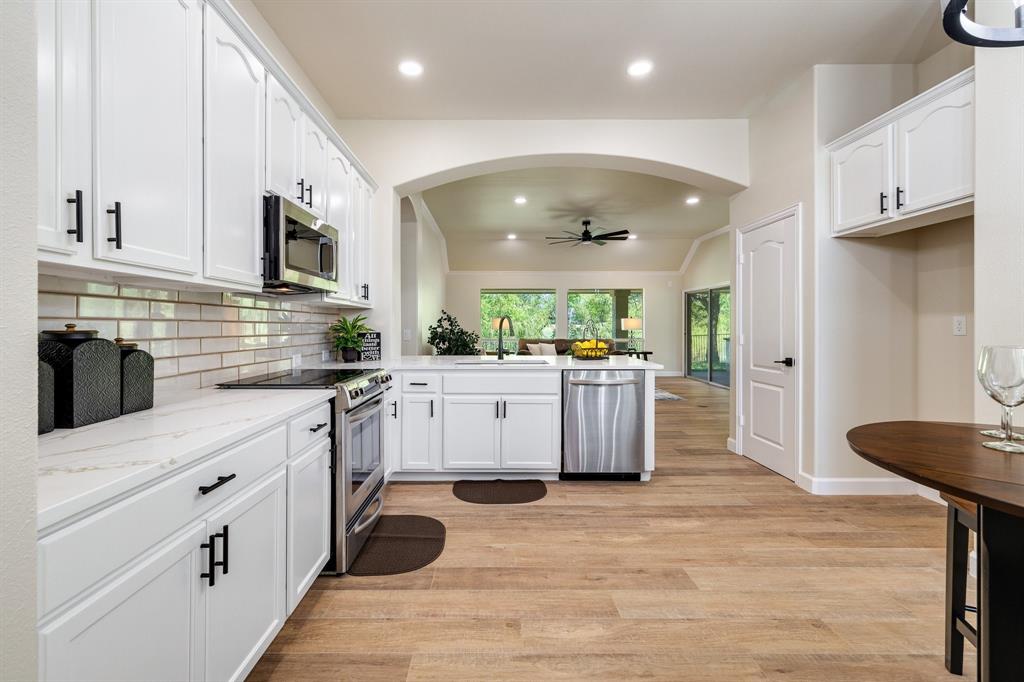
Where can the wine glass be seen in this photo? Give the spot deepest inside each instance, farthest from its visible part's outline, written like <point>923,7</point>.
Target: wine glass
<point>1001,373</point>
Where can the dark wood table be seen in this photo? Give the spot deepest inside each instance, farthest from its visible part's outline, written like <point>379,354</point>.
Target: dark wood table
<point>951,459</point>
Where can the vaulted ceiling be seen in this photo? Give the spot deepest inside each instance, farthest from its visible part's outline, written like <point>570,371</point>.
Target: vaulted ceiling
<point>567,58</point>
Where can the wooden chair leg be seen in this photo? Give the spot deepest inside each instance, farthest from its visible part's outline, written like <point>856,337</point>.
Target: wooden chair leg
<point>956,589</point>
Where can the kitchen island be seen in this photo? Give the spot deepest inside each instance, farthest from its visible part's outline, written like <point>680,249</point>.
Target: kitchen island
<point>456,417</point>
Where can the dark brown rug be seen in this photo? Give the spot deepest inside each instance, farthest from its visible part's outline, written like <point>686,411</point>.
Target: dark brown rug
<point>500,492</point>
<point>399,544</point>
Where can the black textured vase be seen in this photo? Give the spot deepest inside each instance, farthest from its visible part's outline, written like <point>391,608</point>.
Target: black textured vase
<point>45,397</point>
<point>136,378</point>
<point>86,376</point>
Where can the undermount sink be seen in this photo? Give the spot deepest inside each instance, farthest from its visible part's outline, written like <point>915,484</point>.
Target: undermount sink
<point>506,361</point>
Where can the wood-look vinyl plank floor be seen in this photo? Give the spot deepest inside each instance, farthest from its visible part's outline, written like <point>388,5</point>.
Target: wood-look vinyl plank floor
<point>717,569</point>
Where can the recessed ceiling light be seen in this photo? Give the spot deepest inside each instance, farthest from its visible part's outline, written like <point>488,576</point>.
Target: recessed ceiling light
<point>632,236</point>
<point>692,200</point>
<point>410,68</point>
<point>520,200</point>
<point>641,68</point>
<point>511,236</point>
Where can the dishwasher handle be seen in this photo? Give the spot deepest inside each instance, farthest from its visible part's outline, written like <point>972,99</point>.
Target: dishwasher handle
<point>603,382</point>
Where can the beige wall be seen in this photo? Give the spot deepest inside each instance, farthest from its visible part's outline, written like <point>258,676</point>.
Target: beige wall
<point>945,288</point>
<point>18,330</point>
<point>662,301</point>
<point>946,63</point>
<point>424,275</point>
<point>711,265</point>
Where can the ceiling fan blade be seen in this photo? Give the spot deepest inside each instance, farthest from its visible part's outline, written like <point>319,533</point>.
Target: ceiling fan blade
<point>614,239</point>
<point>574,234</point>
<point>617,233</point>
<point>598,242</point>
<point>576,244</point>
<point>566,238</point>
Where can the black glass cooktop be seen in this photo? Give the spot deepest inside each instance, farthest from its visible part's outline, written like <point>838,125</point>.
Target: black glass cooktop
<point>303,378</point>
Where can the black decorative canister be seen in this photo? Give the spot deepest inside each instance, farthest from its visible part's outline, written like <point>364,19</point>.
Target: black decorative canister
<point>136,377</point>
<point>86,376</point>
<point>45,397</point>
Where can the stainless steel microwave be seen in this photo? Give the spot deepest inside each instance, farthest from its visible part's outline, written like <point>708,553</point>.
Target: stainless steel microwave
<point>300,251</point>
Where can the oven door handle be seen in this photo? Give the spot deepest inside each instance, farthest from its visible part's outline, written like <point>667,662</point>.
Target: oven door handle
<point>373,519</point>
<point>362,416</point>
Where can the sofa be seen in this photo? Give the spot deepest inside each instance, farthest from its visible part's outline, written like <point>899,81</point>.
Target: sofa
<point>562,346</point>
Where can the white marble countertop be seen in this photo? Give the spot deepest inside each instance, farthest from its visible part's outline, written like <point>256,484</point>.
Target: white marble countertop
<point>80,468</point>
<point>457,362</point>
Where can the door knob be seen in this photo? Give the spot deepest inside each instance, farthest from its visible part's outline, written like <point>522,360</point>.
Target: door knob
<point>788,362</point>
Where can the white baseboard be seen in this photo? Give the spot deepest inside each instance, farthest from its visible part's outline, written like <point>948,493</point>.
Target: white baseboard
<point>436,476</point>
<point>730,445</point>
<point>856,486</point>
<point>667,373</point>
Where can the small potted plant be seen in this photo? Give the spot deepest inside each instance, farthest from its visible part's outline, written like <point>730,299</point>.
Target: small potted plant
<point>346,335</point>
<point>449,338</point>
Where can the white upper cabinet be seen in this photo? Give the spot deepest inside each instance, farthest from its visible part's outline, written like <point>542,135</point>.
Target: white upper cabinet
<point>149,133</point>
<point>936,152</point>
<point>65,130</point>
<point>363,237</point>
<point>234,169</point>
<point>339,210</point>
<point>910,167</point>
<point>861,181</point>
<point>314,168</point>
<point>284,142</point>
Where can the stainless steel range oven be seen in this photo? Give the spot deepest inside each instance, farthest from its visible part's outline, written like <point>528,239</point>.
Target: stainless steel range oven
<point>357,464</point>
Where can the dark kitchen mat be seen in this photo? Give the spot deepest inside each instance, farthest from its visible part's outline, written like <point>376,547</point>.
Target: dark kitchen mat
<point>399,544</point>
<point>500,492</point>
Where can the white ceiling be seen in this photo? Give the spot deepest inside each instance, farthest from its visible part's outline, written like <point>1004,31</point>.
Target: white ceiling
<point>477,214</point>
<point>522,59</point>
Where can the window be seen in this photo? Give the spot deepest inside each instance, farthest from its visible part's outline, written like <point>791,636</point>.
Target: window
<point>708,337</point>
<point>600,312</point>
<point>532,312</point>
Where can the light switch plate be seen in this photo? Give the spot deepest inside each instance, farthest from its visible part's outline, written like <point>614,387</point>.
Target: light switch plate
<point>296,361</point>
<point>959,325</point>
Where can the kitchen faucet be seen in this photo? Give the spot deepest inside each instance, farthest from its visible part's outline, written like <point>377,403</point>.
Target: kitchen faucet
<point>501,327</point>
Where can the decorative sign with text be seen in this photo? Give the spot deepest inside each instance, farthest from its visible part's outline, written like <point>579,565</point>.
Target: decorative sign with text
<point>371,347</point>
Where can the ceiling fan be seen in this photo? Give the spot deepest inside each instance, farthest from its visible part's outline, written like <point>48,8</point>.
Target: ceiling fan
<point>587,237</point>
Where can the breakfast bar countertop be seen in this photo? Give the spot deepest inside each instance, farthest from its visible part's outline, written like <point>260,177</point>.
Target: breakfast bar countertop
<point>483,362</point>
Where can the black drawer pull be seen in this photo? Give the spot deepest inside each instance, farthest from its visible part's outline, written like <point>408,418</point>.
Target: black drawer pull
<point>211,560</point>
<point>302,189</point>
<point>77,201</point>
<point>221,480</point>
<point>417,383</point>
<point>116,211</point>
<point>314,429</point>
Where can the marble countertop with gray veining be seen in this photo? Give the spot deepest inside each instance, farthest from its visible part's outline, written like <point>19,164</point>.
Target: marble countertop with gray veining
<point>88,466</point>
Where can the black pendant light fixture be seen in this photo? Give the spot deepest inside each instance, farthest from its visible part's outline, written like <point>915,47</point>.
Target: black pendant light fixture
<point>963,30</point>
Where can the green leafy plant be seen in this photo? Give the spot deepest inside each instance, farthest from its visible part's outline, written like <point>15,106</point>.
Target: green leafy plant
<point>345,332</point>
<point>449,338</point>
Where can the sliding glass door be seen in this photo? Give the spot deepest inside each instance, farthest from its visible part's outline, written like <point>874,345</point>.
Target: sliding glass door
<point>708,335</point>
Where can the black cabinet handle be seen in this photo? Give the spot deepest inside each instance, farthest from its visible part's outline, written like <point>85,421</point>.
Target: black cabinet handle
<point>314,429</point>
<point>417,383</point>
<point>394,409</point>
<point>117,224</point>
<point>899,198</point>
<point>431,408</point>
<point>881,202</point>
<point>223,563</point>
<point>211,560</point>
<point>497,409</point>
<point>788,362</point>
<point>367,291</point>
<point>309,191</point>
<point>504,409</point>
<point>302,189</point>
<point>77,201</point>
<point>221,480</point>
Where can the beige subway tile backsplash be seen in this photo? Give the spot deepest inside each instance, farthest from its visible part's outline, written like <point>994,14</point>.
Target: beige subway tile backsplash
<point>197,338</point>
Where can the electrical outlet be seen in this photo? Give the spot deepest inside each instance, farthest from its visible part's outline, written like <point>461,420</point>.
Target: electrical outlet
<point>296,361</point>
<point>325,355</point>
<point>406,335</point>
<point>959,325</point>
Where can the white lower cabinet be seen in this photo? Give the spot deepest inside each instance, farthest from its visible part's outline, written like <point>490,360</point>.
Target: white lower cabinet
<point>531,432</point>
<point>245,597</point>
<point>472,432</point>
<point>421,433</point>
<point>309,521</point>
<point>144,625</point>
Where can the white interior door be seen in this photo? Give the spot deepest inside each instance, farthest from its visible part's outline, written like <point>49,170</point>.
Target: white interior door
<point>767,339</point>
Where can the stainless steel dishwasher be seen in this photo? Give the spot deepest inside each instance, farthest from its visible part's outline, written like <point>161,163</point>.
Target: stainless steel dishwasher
<point>602,424</point>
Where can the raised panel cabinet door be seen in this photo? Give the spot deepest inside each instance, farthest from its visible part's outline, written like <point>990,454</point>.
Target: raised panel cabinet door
<point>366,247</point>
<point>309,519</point>
<point>861,182</point>
<point>149,133</point>
<point>246,605</point>
<point>421,433</point>
<point>284,143</point>
<point>314,167</point>
<point>936,152</point>
<point>234,108</point>
<point>64,78</point>
<point>339,209</point>
<point>531,432</point>
<point>472,432</point>
<point>144,624</point>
